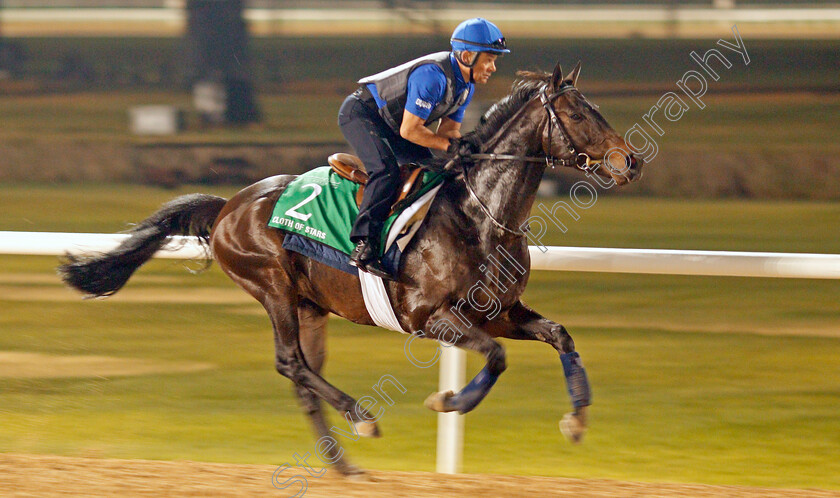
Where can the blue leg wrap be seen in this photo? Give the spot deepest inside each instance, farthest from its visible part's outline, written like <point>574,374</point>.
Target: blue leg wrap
<point>471,395</point>
<point>576,381</point>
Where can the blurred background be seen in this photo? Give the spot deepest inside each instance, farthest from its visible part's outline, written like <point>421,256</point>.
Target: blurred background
<point>176,91</point>
<point>109,108</point>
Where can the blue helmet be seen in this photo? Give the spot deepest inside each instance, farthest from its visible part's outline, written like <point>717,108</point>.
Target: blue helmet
<point>478,35</point>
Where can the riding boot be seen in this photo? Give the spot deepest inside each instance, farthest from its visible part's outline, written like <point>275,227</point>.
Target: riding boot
<point>362,253</point>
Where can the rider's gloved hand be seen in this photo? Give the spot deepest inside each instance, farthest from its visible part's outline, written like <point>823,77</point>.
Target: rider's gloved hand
<point>464,147</point>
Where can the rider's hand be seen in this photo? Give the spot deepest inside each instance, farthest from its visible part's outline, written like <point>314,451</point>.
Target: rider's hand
<point>464,147</point>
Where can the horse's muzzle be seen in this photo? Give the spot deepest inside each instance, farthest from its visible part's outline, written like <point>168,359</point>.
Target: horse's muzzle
<point>634,165</point>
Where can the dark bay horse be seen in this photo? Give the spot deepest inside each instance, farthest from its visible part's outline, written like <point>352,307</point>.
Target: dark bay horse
<point>472,239</point>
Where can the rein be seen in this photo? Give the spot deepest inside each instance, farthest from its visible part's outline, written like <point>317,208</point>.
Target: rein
<point>579,160</point>
<point>484,208</point>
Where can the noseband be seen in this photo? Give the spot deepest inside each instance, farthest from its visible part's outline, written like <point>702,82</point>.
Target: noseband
<point>579,160</point>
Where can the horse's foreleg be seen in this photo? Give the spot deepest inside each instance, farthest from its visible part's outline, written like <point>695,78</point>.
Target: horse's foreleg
<point>441,326</point>
<point>526,324</point>
<point>313,342</point>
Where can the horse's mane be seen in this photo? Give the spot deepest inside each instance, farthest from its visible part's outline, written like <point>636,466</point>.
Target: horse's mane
<point>526,86</point>
<point>522,91</point>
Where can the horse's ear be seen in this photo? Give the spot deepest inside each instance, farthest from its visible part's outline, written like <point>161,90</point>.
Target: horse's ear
<point>573,76</point>
<point>557,77</point>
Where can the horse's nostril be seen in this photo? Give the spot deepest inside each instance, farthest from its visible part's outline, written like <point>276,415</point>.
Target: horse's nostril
<point>635,167</point>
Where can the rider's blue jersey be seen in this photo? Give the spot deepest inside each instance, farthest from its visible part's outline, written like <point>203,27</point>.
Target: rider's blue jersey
<point>427,86</point>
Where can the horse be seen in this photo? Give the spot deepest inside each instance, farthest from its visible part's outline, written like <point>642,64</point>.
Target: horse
<point>478,219</point>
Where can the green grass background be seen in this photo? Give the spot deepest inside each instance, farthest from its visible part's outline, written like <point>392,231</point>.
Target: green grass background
<point>684,388</point>
<point>766,123</point>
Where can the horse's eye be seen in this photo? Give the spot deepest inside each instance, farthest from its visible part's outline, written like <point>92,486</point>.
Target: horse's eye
<point>577,117</point>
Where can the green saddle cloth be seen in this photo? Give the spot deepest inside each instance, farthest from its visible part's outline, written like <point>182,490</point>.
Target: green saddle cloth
<point>321,205</point>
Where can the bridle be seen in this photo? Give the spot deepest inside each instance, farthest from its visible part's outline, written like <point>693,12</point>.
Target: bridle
<point>579,160</point>
<point>575,159</point>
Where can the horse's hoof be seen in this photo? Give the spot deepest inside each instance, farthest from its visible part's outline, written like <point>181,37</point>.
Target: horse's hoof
<point>367,429</point>
<point>352,472</point>
<point>358,475</point>
<point>572,427</point>
<point>438,401</point>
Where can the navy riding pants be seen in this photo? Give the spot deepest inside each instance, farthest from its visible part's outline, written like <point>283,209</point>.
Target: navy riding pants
<point>382,151</point>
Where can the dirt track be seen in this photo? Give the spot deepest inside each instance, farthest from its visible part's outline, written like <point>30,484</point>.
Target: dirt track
<point>48,475</point>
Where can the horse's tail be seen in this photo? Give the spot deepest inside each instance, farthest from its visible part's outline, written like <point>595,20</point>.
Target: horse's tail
<point>104,274</point>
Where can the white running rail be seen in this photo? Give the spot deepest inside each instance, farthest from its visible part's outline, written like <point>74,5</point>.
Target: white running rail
<point>591,259</point>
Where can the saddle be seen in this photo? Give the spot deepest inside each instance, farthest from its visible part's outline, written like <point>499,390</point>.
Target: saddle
<point>351,168</point>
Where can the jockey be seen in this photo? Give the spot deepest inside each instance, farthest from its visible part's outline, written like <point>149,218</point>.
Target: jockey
<point>385,122</point>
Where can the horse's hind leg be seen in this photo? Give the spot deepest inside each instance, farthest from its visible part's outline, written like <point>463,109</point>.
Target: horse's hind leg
<point>313,342</point>
<point>272,288</point>
<point>282,306</point>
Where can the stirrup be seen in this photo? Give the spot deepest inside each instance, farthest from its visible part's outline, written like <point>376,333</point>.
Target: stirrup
<point>375,268</point>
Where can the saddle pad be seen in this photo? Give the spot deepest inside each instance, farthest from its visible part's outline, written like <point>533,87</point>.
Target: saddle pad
<point>320,205</point>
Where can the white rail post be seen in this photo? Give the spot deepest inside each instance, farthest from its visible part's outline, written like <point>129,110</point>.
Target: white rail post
<point>450,434</point>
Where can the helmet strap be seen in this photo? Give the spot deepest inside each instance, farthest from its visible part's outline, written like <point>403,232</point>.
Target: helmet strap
<point>471,64</point>
<point>472,61</point>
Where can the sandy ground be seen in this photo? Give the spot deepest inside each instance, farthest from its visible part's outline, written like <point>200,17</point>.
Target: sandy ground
<point>47,475</point>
